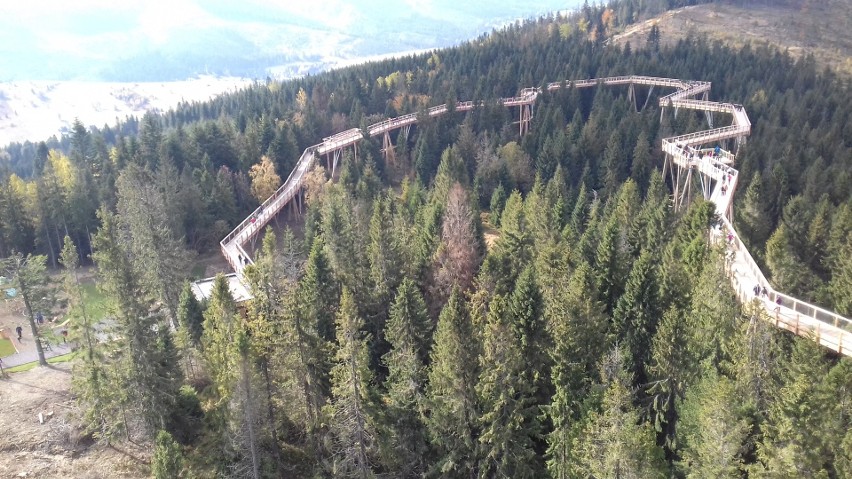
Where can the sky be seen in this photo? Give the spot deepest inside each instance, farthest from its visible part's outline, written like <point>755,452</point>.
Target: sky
<point>102,39</point>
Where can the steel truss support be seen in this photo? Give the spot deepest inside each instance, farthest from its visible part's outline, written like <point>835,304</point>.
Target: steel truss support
<point>631,95</point>
<point>337,154</point>
<point>648,98</point>
<point>708,113</point>
<point>387,148</point>
<point>526,117</point>
<point>681,184</point>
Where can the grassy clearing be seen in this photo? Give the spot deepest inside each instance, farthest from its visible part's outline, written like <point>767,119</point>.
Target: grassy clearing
<point>6,348</point>
<point>95,304</point>
<point>54,360</point>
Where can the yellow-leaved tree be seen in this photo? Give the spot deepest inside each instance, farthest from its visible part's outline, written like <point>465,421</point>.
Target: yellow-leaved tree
<point>264,179</point>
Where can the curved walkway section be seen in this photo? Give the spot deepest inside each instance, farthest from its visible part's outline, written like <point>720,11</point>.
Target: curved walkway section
<point>685,152</point>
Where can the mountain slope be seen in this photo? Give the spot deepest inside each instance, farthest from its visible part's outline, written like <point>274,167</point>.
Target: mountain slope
<point>801,27</point>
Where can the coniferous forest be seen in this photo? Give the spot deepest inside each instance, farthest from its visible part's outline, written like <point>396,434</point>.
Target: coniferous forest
<point>480,305</point>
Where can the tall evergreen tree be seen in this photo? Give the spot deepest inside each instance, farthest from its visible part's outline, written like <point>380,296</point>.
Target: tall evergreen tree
<point>614,443</point>
<point>506,390</point>
<point>36,290</point>
<point>319,291</point>
<point>712,429</point>
<point>352,410</point>
<point>610,265</point>
<point>158,254</point>
<point>408,332</point>
<point>88,381</point>
<point>636,315</point>
<point>450,394</point>
<point>793,445</point>
<point>151,375</point>
<point>576,325</point>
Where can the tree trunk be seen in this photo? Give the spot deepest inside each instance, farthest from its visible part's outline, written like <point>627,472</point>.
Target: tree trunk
<point>248,408</point>
<point>25,294</point>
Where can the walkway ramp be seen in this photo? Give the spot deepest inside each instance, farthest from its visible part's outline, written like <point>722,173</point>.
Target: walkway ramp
<point>688,152</point>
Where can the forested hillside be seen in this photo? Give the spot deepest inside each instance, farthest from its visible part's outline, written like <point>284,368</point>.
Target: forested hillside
<point>486,305</point>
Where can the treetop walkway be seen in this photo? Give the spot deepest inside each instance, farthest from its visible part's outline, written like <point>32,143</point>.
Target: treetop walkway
<point>685,156</point>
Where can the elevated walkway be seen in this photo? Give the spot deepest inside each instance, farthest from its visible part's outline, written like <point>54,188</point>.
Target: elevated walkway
<point>685,153</point>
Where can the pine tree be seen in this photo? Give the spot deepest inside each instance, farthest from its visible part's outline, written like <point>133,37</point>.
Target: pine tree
<point>506,390</point>
<point>450,396</point>
<point>351,411</point>
<point>408,331</point>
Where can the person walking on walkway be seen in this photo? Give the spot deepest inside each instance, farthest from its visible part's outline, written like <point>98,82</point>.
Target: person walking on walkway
<point>20,332</point>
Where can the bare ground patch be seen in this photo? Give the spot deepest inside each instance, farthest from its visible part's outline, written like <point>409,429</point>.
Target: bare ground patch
<point>819,28</point>
<point>55,449</point>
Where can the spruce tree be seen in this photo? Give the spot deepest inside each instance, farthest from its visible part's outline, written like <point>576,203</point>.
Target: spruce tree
<point>524,313</point>
<point>610,264</point>
<point>670,370</point>
<point>793,445</point>
<point>319,291</point>
<point>408,332</point>
<point>506,390</point>
<point>636,315</point>
<point>614,443</point>
<point>385,258</point>
<point>577,326</point>
<point>151,375</point>
<point>190,314</point>
<point>450,395</point>
<point>712,430</point>
<point>352,410</point>
<point>218,348</point>
<point>153,235</point>
<point>167,462</point>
